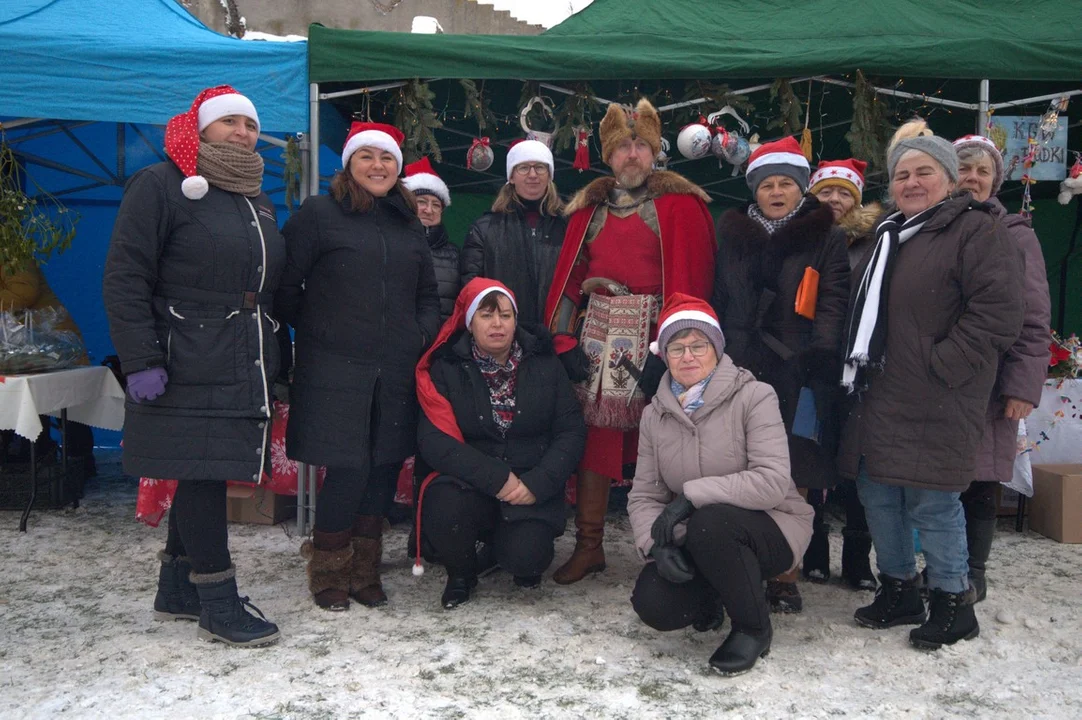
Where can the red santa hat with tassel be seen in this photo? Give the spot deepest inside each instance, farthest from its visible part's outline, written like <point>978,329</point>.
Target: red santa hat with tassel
<point>182,132</point>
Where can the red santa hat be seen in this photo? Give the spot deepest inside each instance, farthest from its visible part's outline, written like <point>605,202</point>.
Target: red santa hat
<point>422,179</point>
<point>182,132</point>
<point>529,151</point>
<point>782,157</point>
<point>686,312</point>
<point>378,135</point>
<point>435,406</point>
<point>847,174</point>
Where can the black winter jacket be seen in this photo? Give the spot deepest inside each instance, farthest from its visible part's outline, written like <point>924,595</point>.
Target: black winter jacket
<point>187,287</point>
<point>445,263</point>
<point>756,280</point>
<point>360,293</point>
<point>542,447</point>
<point>503,246</point>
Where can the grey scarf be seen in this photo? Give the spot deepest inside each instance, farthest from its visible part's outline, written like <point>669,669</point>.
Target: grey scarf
<point>231,168</point>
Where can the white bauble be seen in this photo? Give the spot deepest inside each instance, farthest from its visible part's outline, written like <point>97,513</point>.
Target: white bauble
<point>693,142</point>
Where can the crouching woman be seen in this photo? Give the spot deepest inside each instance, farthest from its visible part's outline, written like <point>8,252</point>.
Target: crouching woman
<point>502,432</point>
<point>713,504</point>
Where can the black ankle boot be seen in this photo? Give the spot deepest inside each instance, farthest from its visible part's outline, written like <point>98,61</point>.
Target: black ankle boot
<point>856,562</point>
<point>177,598</point>
<point>979,534</point>
<point>951,619</point>
<point>897,602</point>
<point>224,618</point>
<point>740,652</point>
<point>457,591</point>
<point>817,557</point>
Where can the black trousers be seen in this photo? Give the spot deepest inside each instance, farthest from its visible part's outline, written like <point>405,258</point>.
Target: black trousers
<point>733,551</point>
<point>979,501</point>
<point>197,526</point>
<point>348,492</point>
<point>845,493</point>
<point>454,519</point>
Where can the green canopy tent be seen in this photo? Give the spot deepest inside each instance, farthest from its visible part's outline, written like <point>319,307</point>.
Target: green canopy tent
<point>960,59</point>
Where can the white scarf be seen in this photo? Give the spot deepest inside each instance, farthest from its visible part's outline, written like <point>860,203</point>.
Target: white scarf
<point>866,340</point>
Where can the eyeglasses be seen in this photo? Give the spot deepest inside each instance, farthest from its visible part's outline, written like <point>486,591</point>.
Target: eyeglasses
<point>676,352</point>
<point>524,169</point>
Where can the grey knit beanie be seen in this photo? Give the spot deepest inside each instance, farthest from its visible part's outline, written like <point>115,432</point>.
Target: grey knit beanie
<point>940,149</point>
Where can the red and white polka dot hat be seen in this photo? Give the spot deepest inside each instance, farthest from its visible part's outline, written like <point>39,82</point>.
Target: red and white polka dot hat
<point>182,132</point>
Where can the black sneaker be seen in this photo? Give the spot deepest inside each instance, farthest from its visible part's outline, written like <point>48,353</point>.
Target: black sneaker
<point>897,602</point>
<point>951,618</point>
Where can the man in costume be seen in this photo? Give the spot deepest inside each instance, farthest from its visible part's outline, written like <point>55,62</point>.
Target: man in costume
<point>632,240</point>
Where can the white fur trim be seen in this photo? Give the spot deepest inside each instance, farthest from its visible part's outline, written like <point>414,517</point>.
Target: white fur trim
<point>219,107</point>
<point>371,138</point>
<point>778,158</point>
<point>481,296</point>
<point>980,139</point>
<point>194,187</point>
<point>433,183</point>
<point>696,315</point>
<point>836,173</point>
<point>529,151</point>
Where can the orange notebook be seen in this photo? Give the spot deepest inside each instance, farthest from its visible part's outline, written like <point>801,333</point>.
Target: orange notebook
<point>808,293</point>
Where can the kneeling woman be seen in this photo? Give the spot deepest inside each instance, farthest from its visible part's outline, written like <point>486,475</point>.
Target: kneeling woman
<point>713,453</point>
<point>503,432</point>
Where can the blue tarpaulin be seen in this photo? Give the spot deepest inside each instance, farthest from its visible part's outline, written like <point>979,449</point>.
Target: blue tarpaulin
<point>137,61</point>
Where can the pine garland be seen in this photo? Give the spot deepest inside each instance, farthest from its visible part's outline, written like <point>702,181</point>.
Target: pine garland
<point>477,105</point>
<point>575,111</point>
<point>31,227</point>
<point>416,117</point>
<point>717,95</point>
<point>870,132</point>
<point>790,118</point>
<point>291,173</point>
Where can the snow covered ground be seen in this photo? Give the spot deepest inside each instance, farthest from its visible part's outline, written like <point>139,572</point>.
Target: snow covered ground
<point>77,639</point>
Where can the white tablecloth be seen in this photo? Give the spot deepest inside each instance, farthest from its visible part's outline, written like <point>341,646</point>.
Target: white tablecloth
<point>1053,432</point>
<point>91,395</point>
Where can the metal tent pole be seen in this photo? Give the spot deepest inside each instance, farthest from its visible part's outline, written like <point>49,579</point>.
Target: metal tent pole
<point>982,108</point>
<point>313,138</point>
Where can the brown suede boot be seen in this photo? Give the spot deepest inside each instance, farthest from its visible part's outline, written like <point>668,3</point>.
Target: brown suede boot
<point>364,582</point>
<point>589,555</point>
<point>783,593</point>
<point>329,557</point>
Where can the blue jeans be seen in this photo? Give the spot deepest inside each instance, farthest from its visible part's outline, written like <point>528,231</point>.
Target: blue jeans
<point>894,511</point>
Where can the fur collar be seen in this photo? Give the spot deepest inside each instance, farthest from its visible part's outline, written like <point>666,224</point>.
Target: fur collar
<point>746,237</point>
<point>860,221</point>
<point>660,182</point>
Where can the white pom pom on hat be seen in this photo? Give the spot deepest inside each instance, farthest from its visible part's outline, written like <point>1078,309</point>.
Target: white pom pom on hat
<point>194,187</point>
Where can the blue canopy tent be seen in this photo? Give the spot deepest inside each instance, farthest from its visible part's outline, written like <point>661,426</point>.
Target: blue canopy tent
<point>86,87</point>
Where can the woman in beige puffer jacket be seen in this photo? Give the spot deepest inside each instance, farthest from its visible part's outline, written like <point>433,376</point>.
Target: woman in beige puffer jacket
<point>712,452</point>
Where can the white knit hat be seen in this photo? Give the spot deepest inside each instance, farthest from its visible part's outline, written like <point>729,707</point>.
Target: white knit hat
<point>529,151</point>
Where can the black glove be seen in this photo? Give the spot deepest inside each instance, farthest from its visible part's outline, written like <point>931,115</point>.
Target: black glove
<point>664,528</point>
<point>672,564</point>
<point>652,370</point>
<point>577,364</point>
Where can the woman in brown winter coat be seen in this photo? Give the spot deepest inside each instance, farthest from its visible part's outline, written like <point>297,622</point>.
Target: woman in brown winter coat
<point>839,184</point>
<point>934,308</point>
<point>1022,370</point>
<point>712,452</point>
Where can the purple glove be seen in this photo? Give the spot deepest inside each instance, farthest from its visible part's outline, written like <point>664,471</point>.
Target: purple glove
<point>147,384</point>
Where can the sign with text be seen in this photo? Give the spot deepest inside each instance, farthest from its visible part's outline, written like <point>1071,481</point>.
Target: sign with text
<point>1014,132</point>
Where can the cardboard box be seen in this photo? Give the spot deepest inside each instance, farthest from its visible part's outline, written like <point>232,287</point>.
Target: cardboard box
<point>255,504</point>
<point>1055,510</point>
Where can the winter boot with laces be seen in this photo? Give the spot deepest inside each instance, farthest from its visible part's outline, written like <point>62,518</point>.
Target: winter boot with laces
<point>224,618</point>
<point>951,619</point>
<point>177,598</point>
<point>897,602</point>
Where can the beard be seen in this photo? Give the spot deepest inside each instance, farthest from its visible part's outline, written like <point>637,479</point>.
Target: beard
<point>632,176</point>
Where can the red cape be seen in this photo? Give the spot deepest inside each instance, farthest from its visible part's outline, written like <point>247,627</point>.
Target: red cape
<point>688,246</point>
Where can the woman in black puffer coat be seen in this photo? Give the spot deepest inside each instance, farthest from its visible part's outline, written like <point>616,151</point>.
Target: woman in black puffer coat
<point>193,261</point>
<point>519,241</point>
<point>765,249</point>
<point>360,292</point>
<point>502,431</point>
<point>433,198</point>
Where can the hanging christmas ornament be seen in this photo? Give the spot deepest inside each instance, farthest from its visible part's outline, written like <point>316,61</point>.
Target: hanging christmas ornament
<point>693,142</point>
<point>582,148</point>
<point>727,145</point>
<point>740,151</point>
<point>480,156</point>
<point>546,110</point>
<point>661,162</point>
<point>753,143</point>
<point>1050,119</point>
<point>1072,185</point>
